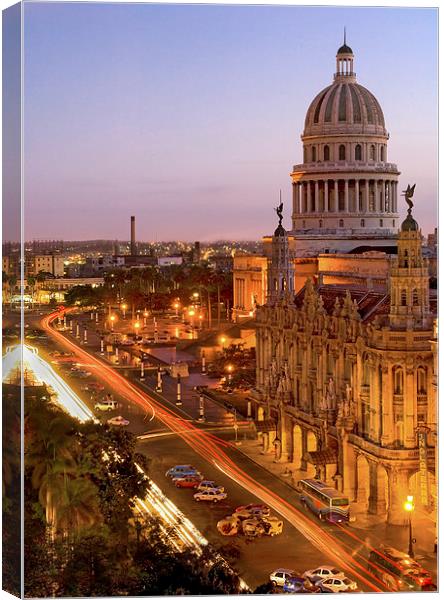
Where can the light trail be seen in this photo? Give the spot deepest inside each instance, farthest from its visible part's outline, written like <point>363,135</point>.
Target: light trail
<point>210,447</point>
<point>169,513</point>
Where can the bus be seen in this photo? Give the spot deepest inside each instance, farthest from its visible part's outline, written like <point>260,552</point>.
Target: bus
<point>398,571</point>
<point>324,500</point>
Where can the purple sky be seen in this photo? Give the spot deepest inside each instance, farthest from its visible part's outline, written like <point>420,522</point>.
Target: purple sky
<point>189,117</point>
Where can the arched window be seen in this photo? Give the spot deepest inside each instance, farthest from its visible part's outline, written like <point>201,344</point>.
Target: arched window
<point>406,258</point>
<point>342,152</point>
<point>382,154</point>
<point>313,154</point>
<point>305,155</point>
<point>362,222</point>
<point>341,222</point>
<point>415,297</point>
<point>399,381</point>
<point>421,381</point>
<point>326,152</point>
<point>358,152</point>
<point>372,152</point>
<point>403,298</point>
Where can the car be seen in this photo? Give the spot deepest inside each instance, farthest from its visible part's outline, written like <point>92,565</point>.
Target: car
<point>322,572</point>
<point>93,386</point>
<point>82,374</point>
<point>127,343</point>
<point>337,584</point>
<point>296,585</point>
<point>118,421</point>
<point>280,576</point>
<point>106,405</point>
<point>181,471</point>
<point>210,496</point>
<point>189,481</point>
<point>252,510</point>
<point>209,485</point>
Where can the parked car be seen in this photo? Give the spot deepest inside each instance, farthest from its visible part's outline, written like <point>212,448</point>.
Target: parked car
<point>118,421</point>
<point>105,405</point>
<point>190,481</point>
<point>337,584</point>
<point>322,572</point>
<point>210,496</point>
<point>181,471</point>
<point>252,510</point>
<point>209,485</point>
<point>294,585</point>
<point>127,343</point>
<point>280,576</point>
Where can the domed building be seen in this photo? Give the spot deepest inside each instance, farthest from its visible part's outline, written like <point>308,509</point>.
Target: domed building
<point>345,191</point>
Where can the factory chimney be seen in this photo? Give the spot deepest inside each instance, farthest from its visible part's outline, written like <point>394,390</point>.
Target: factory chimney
<point>133,250</point>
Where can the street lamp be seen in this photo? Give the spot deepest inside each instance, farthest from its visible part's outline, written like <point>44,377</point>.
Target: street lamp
<point>222,340</point>
<point>230,371</point>
<point>136,327</point>
<point>145,315</point>
<point>124,307</point>
<point>191,314</point>
<point>200,321</point>
<point>409,507</point>
<point>112,319</point>
<point>176,308</point>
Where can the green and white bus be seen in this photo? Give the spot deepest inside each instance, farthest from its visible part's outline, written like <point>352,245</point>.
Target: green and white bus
<point>324,500</point>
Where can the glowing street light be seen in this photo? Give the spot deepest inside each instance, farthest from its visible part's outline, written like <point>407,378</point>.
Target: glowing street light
<point>112,318</point>
<point>222,340</point>
<point>124,307</point>
<point>145,316</point>
<point>200,321</point>
<point>136,328</point>
<point>191,314</point>
<point>176,307</point>
<point>409,507</point>
<point>230,369</point>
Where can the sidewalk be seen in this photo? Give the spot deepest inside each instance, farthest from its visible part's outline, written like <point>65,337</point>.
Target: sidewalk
<point>371,530</point>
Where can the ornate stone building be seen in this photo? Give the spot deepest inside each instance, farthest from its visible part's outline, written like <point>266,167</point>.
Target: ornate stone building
<point>346,383</point>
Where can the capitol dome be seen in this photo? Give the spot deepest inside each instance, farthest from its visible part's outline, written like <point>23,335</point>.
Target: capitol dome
<point>344,106</point>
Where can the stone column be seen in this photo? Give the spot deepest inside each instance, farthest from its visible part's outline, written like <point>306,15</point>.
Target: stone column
<point>316,196</point>
<point>295,198</point>
<point>398,491</point>
<point>308,196</point>
<point>346,201</point>
<point>396,197</point>
<point>326,195</point>
<point>366,197</point>
<point>387,405</point>
<point>348,468</point>
<point>376,500</point>
<point>335,197</point>
<point>303,466</point>
<point>409,406</point>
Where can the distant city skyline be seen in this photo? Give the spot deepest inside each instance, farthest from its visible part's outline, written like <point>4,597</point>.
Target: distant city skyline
<point>190,116</point>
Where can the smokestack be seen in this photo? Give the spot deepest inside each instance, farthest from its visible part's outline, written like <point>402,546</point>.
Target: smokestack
<point>133,250</point>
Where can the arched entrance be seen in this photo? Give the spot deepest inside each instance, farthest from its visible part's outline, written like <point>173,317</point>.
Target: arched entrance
<point>379,490</point>
<point>362,480</point>
<point>297,451</point>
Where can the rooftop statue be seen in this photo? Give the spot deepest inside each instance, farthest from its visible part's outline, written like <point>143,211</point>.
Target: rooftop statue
<point>408,194</point>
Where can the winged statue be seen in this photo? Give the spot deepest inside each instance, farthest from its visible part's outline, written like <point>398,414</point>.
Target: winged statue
<point>408,194</point>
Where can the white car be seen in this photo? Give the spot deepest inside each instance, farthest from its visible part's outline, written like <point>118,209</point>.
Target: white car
<point>106,405</point>
<point>280,576</point>
<point>322,572</point>
<point>127,343</point>
<point>337,584</point>
<point>120,421</point>
<point>210,496</point>
<point>209,485</point>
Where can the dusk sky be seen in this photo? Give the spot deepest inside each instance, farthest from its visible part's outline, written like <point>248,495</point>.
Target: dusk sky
<point>189,117</point>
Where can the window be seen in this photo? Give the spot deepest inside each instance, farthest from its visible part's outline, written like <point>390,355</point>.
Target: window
<point>303,224</point>
<point>305,155</point>
<point>381,223</point>
<point>403,298</point>
<point>342,152</point>
<point>399,382</point>
<point>362,222</point>
<point>382,154</point>
<point>313,153</point>
<point>326,152</point>
<point>341,222</point>
<point>372,152</point>
<point>358,152</point>
<point>415,298</point>
<point>421,381</point>
<point>320,224</point>
<point>393,223</point>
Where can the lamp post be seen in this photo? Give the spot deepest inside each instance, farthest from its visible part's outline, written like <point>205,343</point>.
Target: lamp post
<point>409,507</point>
<point>230,372</point>
<point>97,316</point>
<point>124,307</point>
<point>136,329</point>
<point>222,340</point>
<point>142,370</point>
<point>201,408</point>
<point>200,322</point>
<point>85,335</point>
<point>101,344</point>
<point>179,392</point>
<point>203,363</point>
<point>159,386</point>
<point>145,316</point>
<point>176,308</point>
<point>112,318</point>
<point>276,443</point>
<point>77,331</point>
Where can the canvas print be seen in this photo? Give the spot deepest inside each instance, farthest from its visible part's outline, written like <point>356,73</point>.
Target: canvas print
<point>219,299</point>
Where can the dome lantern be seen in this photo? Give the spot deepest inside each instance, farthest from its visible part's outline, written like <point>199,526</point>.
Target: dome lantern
<point>344,61</point>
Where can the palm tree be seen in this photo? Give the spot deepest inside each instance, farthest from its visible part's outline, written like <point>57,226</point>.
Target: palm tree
<point>78,505</point>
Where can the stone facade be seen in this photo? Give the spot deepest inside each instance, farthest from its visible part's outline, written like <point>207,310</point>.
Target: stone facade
<point>349,389</point>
